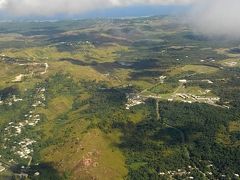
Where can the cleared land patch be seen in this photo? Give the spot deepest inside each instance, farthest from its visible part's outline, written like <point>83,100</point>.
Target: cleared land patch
<point>231,62</point>
<point>194,68</point>
<point>91,156</point>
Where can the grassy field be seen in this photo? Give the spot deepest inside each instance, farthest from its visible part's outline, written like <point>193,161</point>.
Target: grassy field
<point>107,53</point>
<point>78,151</point>
<point>89,155</point>
<point>234,126</point>
<point>226,52</point>
<point>8,73</point>
<point>200,69</point>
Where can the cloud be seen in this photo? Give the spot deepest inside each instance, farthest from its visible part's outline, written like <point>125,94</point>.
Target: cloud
<point>216,18</point>
<point>208,17</point>
<point>53,7</point>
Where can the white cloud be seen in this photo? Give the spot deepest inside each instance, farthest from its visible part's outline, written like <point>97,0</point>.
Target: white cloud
<point>3,3</point>
<point>51,7</point>
<point>209,17</point>
<point>217,18</point>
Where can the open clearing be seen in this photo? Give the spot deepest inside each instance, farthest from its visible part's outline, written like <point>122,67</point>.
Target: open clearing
<point>92,156</point>
<point>231,62</point>
<point>200,69</point>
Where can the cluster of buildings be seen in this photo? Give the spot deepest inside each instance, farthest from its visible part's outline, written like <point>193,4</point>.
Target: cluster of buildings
<point>186,172</point>
<point>14,139</point>
<point>178,172</point>
<point>209,59</point>
<point>194,98</point>
<point>133,100</point>
<point>83,46</point>
<point>162,78</point>
<point>22,146</point>
<point>10,101</point>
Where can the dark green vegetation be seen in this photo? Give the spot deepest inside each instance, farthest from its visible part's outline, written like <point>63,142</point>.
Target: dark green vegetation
<point>65,86</point>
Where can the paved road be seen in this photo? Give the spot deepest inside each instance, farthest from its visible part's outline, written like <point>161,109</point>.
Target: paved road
<point>5,163</point>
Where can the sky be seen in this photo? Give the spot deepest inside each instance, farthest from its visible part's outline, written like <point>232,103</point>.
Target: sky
<point>73,7</point>
<point>208,17</point>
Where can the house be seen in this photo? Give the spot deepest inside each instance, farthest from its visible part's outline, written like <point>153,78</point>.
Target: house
<point>182,81</point>
<point>237,175</point>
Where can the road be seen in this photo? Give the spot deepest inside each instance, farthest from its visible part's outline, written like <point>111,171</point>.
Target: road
<point>157,109</point>
<point>179,87</point>
<point>5,164</point>
<point>168,125</point>
<point>30,160</point>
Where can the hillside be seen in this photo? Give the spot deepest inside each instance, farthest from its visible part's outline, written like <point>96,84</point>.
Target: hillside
<point>140,98</point>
